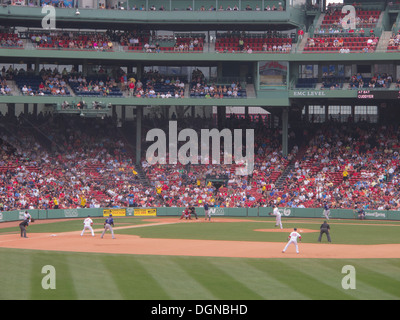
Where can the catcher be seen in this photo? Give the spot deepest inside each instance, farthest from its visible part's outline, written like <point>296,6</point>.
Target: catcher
<point>186,214</point>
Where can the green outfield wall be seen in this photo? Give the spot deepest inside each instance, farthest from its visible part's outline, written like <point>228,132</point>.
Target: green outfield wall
<point>215,212</point>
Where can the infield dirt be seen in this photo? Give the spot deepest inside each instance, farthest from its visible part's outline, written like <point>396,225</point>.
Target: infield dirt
<point>131,244</point>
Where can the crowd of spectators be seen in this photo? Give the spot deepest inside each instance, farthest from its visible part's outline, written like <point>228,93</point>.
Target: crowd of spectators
<point>179,185</point>
<point>99,41</point>
<point>48,82</point>
<point>189,44</point>
<point>394,42</point>
<point>5,90</point>
<point>10,40</point>
<point>334,35</point>
<point>54,3</point>
<point>273,42</point>
<point>59,161</point>
<point>342,44</point>
<point>149,41</point>
<point>348,166</point>
<point>331,83</point>
<point>379,80</point>
<point>200,88</point>
<point>153,84</point>
<point>271,6</point>
<point>65,162</point>
<point>131,40</point>
<point>278,6</point>
<point>100,85</point>
<point>363,19</point>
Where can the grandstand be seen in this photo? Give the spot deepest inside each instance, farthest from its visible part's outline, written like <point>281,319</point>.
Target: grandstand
<point>77,101</point>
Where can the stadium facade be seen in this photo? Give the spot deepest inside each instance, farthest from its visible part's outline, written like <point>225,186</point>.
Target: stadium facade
<point>295,59</point>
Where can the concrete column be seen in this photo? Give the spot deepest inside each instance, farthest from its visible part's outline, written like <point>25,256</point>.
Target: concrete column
<point>285,126</point>
<point>139,115</point>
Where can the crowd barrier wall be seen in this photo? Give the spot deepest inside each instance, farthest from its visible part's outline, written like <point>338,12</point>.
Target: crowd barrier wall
<point>215,211</point>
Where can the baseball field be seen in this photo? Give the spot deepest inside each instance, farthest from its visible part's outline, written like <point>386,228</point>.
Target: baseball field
<point>164,258</point>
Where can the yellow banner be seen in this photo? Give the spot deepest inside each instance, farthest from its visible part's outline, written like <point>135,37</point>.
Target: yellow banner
<point>145,212</point>
<point>114,212</point>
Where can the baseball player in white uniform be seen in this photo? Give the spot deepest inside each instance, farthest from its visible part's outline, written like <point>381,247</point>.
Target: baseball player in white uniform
<point>87,224</point>
<point>278,217</point>
<point>293,238</point>
<point>27,216</point>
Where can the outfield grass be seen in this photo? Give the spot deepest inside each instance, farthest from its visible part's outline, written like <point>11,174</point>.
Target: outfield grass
<point>143,277</point>
<point>108,276</point>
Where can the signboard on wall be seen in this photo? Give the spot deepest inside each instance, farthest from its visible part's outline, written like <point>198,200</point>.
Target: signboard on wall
<point>145,212</point>
<point>114,212</point>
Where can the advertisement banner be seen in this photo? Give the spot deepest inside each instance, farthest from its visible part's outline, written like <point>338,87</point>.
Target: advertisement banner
<point>114,212</point>
<point>145,212</point>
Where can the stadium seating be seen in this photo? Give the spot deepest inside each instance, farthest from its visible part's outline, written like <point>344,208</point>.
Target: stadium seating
<point>365,18</point>
<point>327,44</point>
<point>95,86</point>
<point>90,161</point>
<point>10,40</point>
<point>71,41</point>
<point>393,43</point>
<point>37,85</point>
<point>155,85</point>
<point>256,42</point>
<point>306,83</point>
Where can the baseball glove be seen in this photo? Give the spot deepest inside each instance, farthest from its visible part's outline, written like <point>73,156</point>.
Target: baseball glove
<point>32,220</point>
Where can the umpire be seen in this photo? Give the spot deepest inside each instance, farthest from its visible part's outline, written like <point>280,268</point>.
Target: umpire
<point>192,210</point>
<point>23,225</point>
<point>325,228</point>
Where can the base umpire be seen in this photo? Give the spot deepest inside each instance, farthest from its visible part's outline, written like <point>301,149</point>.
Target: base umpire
<point>23,225</point>
<point>324,228</point>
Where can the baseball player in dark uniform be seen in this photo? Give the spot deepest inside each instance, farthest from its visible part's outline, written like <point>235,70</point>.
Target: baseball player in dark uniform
<point>108,225</point>
<point>193,210</point>
<point>23,225</point>
<point>207,212</point>
<point>361,214</point>
<point>324,228</point>
<point>327,211</point>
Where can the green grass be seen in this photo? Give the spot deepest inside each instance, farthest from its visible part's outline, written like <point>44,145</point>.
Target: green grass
<point>342,232</point>
<point>130,277</point>
<point>143,277</point>
<point>72,225</point>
